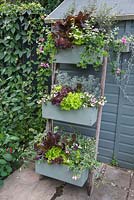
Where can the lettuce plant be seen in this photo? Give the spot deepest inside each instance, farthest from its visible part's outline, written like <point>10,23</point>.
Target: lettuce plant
<point>73,150</point>
<point>73,101</point>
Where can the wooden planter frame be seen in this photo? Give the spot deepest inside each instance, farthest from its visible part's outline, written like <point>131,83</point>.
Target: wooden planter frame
<point>49,126</point>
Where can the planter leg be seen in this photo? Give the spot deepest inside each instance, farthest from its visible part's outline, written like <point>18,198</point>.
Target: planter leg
<point>49,125</point>
<point>41,177</point>
<point>90,183</point>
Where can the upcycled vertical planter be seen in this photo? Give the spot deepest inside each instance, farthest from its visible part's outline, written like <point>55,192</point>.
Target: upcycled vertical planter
<point>83,116</point>
<point>60,172</point>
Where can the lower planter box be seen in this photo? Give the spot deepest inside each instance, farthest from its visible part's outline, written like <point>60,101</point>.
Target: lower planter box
<point>60,172</point>
<point>83,116</point>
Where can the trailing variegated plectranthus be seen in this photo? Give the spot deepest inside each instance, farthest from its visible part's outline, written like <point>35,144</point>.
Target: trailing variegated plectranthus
<point>123,68</point>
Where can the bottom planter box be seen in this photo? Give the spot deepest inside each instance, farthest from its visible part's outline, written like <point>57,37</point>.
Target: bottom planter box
<point>60,172</point>
<point>83,116</point>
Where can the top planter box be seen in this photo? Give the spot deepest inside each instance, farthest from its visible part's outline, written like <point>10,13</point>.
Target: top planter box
<point>70,55</point>
<point>83,116</point>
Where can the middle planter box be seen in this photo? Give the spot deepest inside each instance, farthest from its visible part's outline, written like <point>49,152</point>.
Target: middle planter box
<point>83,116</point>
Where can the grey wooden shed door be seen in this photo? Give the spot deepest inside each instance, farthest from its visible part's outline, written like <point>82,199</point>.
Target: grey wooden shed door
<point>124,138</point>
<point>117,126</point>
<point>117,129</point>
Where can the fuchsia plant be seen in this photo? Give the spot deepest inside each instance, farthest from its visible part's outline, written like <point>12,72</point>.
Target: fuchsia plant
<point>124,40</point>
<point>45,65</point>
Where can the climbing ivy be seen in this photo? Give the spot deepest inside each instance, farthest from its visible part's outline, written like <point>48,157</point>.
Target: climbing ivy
<point>49,5</point>
<point>22,80</point>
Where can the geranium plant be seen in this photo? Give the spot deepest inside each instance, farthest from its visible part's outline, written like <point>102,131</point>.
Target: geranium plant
<point>73,150</point>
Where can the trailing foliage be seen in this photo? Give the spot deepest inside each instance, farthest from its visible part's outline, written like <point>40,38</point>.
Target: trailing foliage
<point>22,79</point>
<point>49,5</point>
<point>92,35</point>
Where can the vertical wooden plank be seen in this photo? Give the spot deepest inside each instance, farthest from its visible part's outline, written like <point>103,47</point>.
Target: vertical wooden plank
<point>122,31</point>
<point>102,88</point>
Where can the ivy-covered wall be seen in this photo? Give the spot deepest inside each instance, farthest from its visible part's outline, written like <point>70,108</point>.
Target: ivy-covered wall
<point>49,5</point>
<point>22,82</point>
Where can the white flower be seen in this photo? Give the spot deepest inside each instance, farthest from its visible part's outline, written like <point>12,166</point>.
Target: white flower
<point>75,178</point>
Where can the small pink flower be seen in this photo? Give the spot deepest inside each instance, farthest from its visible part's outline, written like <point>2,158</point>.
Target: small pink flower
<point>10,150</point>
<point>45,65</point>
<point>67,152</point>
<point>124,40</point>
<point>93,100</point>
<point>41,39</point>
<point>118,71</point>
<point>41,49</point>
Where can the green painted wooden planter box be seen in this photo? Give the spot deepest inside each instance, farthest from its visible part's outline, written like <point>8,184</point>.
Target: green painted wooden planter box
<point>70,55</point>
<point>83,116</point>
<point>60,172</point>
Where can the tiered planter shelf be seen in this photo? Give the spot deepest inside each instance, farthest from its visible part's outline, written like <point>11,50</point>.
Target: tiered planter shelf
<point>60,172</point>
<point>83,116</point>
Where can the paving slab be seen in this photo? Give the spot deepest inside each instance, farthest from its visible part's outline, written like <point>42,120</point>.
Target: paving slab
<point>27,185</point>
<point>117,177</point>
<point>113,186</point>
<point>131,193</point>
<point>72,192</point>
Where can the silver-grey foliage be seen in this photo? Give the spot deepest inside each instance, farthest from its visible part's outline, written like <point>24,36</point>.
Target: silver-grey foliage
<point>89,84</point>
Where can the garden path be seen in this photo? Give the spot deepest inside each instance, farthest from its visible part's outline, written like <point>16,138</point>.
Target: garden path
<point>24,184</point>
